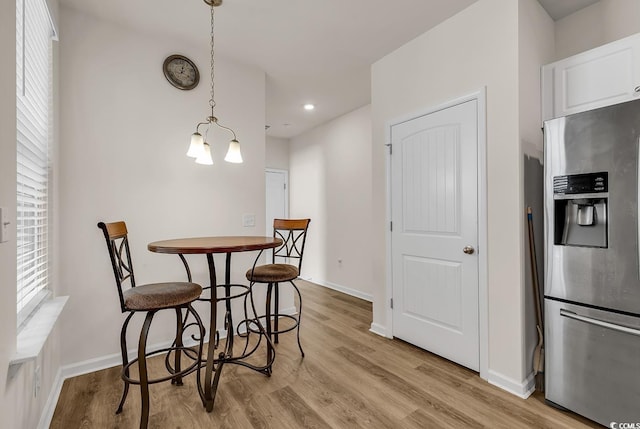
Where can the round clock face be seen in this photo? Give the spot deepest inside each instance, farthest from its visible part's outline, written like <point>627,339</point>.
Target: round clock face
<point>181,72</point>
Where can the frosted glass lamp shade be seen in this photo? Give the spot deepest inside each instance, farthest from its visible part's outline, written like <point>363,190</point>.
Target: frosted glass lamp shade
<point>205,157</point>
<point>233,154</point>
<point>197,146</point>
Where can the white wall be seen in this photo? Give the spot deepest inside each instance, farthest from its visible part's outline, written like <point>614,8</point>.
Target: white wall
<point>19,407</point>
<point>329,183</point>
<point>277,153</point>
<point>125,132</point>
<point>8,201</point>
<point>476,48</point>
<point>596,25</point>
<point>536,46</point>
<point>8,187</point>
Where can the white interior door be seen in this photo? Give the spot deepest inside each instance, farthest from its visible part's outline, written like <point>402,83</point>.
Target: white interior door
<point>434,197</point>
<point>277,199</point>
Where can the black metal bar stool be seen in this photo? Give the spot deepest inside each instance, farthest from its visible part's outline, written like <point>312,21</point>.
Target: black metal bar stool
<point>293,233</point>
<point>151,298</point>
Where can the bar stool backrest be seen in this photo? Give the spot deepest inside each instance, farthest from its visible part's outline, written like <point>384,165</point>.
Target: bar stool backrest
<point>293,233</point>
<point>115,234</point>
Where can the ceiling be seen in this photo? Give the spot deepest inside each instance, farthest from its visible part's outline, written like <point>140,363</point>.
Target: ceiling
<point>312,51</point>
<point>558,9</point>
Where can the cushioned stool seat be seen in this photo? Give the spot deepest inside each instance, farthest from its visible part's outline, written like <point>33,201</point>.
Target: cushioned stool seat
<point>156,296</point>
<point>272,273</point>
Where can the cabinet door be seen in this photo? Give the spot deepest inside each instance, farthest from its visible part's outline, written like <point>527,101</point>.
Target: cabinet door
<point>599,77</point>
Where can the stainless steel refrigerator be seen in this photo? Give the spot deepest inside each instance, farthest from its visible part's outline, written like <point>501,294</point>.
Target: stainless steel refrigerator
<point>592,263</point>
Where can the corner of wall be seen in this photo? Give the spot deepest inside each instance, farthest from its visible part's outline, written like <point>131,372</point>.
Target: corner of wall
<point>52,401</point>
<point>523,388</point>
<point>536,47</point>
<point>381,330</point>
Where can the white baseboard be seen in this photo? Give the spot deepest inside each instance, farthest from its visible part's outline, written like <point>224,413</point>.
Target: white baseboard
<point>346,290</point>
<point>52,401</point>
<point>523,389</point>
<point>381,330</point>
<point>91,365</point>
<point>115,359</point>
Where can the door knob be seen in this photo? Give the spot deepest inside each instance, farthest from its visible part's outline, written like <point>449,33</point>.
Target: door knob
<point>468,250</point>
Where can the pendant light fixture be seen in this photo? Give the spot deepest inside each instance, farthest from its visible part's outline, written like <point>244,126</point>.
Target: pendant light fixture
<point>199,148</point>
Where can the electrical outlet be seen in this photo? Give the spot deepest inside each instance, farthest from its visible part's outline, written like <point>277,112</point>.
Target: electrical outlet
<point>36,381</point>
<point>248,220</point>
<point>4,225</point>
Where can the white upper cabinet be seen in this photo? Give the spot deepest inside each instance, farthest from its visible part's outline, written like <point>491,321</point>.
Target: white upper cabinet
<point>599,77</point>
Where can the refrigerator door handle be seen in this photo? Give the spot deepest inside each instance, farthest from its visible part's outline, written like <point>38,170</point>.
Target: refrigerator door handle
<point>597,322</point>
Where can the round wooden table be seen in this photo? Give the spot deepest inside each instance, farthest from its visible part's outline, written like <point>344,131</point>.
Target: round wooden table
<point>209,246</point>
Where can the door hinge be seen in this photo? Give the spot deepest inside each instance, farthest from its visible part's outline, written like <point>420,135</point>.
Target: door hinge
<point>390,146</point>
<point>391,302</point>
<point>285,186</point>
<point>391,226</point>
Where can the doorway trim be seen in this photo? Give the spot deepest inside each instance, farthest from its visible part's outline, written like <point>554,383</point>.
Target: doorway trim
<point>286,184</point>
<point>483,303</point>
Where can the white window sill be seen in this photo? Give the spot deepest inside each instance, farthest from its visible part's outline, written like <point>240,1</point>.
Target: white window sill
<point>34,334</point>
<point>31,308</point>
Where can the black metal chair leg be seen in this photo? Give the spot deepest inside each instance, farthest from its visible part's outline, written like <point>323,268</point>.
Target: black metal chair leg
<point>201,330</point>
<point>268,321</point>
<point>216,379</point>
<point>178,352</point>
<point>276,312</point>
<point>247,325</point>
<point>299,316</point>
<point>271,353</point>
<point>125,361</point>
<point>142,368</point>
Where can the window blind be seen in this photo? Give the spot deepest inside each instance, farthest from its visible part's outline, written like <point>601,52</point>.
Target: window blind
<point>34,69</point>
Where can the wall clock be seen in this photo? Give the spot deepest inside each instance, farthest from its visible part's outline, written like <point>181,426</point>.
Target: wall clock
<point>181,72</point>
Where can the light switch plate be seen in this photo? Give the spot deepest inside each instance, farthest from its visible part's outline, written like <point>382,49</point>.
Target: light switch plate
<point>4,225</point>
<point>248,220</point>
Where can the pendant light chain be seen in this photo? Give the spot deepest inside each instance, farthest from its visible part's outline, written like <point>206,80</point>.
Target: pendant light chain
<point>199,148</point>
<point>212,102</point>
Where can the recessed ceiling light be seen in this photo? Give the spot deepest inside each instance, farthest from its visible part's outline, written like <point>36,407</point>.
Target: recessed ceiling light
<point>309,106</point>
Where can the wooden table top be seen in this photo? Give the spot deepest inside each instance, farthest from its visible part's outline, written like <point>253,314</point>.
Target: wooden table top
<point>214,244</point>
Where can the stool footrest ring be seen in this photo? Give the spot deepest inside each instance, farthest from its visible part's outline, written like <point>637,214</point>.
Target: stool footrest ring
<point>244,291</point>
<point>188,370</point>
<point>279,331</point>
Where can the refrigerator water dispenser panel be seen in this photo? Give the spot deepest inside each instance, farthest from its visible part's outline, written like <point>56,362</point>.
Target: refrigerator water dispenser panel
<point>580,210</point>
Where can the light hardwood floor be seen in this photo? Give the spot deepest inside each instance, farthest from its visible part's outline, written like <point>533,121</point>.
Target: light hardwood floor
<point>350,378</point>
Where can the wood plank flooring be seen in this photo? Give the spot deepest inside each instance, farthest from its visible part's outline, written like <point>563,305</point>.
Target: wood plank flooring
<point>350,378</point>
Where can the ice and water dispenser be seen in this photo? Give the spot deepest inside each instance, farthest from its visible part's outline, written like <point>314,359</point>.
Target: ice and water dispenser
<point>581,210</point>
